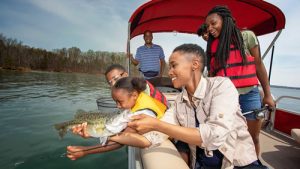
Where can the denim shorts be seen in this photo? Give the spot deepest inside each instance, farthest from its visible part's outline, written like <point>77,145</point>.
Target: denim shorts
<point>250,101</point>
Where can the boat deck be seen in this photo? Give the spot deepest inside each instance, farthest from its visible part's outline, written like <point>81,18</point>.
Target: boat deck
<point>279,151</point>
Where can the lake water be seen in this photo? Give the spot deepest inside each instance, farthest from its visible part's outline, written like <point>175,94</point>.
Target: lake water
<point>30,103</point>
<point>289,104</point>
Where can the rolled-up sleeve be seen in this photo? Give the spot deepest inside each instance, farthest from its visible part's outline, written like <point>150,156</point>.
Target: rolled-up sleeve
<point>222,114</point>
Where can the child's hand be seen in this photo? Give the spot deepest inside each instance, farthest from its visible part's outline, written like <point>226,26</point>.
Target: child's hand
<point>129,55</point>
<point>75,152</point>
<point>81,130</point>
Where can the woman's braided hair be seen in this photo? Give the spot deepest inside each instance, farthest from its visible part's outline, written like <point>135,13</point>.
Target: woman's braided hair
<point>230,34</point>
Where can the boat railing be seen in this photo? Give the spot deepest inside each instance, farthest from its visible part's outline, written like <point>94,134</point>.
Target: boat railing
<point>132,161</point>
<point>289,112</point>
<point>284,97</point>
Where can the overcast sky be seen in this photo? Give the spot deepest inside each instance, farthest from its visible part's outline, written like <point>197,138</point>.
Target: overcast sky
<point>102,25</point>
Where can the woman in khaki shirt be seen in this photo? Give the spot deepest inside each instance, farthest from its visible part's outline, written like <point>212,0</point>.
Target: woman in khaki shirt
<point>208,115</point>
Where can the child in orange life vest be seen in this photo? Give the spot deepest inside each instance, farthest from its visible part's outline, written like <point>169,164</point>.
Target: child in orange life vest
<point>128,94</point>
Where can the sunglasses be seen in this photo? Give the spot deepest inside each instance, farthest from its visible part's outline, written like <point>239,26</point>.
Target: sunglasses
<point>115,78</point>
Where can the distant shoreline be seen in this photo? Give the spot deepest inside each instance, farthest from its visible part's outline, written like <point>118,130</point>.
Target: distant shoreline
<point>24,69</point>
<point>287,87</point>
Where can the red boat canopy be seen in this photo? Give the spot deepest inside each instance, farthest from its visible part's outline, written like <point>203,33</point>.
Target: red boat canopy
<point>186,16</point>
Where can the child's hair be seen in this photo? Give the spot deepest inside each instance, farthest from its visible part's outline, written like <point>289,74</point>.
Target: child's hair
<point>113,67</point>
<point>202,29</point>
<point>131,84</point>
<point>192,49</point>
<point>230,34</point>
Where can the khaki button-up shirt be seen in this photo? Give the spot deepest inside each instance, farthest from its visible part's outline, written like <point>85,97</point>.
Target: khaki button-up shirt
<point>222,126</point>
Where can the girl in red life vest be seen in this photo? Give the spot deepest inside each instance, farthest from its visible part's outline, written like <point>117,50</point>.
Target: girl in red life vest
<point>227,57</point>
<point>116,71</point>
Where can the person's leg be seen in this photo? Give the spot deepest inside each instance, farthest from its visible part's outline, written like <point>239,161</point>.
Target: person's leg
<point>183,150</point>
<point>254,127</point>
<point>185,157</point>
<point>251,101</point>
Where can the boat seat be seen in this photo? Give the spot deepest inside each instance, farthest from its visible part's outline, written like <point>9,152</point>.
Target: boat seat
<point>296,134</point>
<point>164,156</point>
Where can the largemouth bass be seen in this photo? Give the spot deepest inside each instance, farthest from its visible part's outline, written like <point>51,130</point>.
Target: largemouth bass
<point>100,125</point>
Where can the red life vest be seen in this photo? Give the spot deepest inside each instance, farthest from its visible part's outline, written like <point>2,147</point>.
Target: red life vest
<point>157,94</point>
<point>242,75</point>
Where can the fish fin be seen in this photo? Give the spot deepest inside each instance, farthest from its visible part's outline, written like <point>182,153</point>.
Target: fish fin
<point>79,113</point>
<point>103,140</point>
<point>62,133</point>
<point>61,128</point>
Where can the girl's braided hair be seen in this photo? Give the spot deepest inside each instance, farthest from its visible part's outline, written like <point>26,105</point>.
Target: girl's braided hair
<point>230,34</point>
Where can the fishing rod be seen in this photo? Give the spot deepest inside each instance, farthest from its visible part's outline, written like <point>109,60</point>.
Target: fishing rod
<point>259,113</point>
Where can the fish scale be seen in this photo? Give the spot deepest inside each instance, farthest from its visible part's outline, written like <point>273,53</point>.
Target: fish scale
<point>96,122</point>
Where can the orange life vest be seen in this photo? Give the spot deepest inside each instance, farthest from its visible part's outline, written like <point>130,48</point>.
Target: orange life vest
<point>242,75</point>
<point>155,93</point>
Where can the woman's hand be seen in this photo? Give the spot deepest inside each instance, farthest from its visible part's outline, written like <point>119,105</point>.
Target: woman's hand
<point>143,123</point>
<point>75,152</point>
<point>81,130</point>
<point>268,100</point>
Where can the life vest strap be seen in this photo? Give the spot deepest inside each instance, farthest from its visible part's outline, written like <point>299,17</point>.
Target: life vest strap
<point>233,65</point>
<point>242,76</point>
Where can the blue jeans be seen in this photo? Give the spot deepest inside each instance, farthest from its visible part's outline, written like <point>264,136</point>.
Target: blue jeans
<point>250,101</point>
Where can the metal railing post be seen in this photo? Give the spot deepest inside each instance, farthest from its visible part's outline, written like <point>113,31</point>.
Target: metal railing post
<point>271,44</point>
<point>128,50</point>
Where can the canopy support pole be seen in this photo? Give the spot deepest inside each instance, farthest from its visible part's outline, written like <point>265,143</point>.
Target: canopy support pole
<point>131,150</point>
<point>128,50</point>
<point>271,64</point>
<point>272,44</point>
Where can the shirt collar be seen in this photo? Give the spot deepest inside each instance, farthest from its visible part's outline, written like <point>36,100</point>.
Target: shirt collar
<point>149,47</point>
<point>199,92</point>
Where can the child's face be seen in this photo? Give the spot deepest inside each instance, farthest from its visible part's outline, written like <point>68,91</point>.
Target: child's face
<point>124,99</point>
<point>205,36</point>
<point>114,75</point>
<point>180,70</point>
<point>214,24</point>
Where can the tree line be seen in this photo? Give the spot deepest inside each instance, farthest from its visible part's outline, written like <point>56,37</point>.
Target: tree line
<point>16,56</point>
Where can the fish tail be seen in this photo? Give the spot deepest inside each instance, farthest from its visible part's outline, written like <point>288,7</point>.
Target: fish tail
<point>61,128</point>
